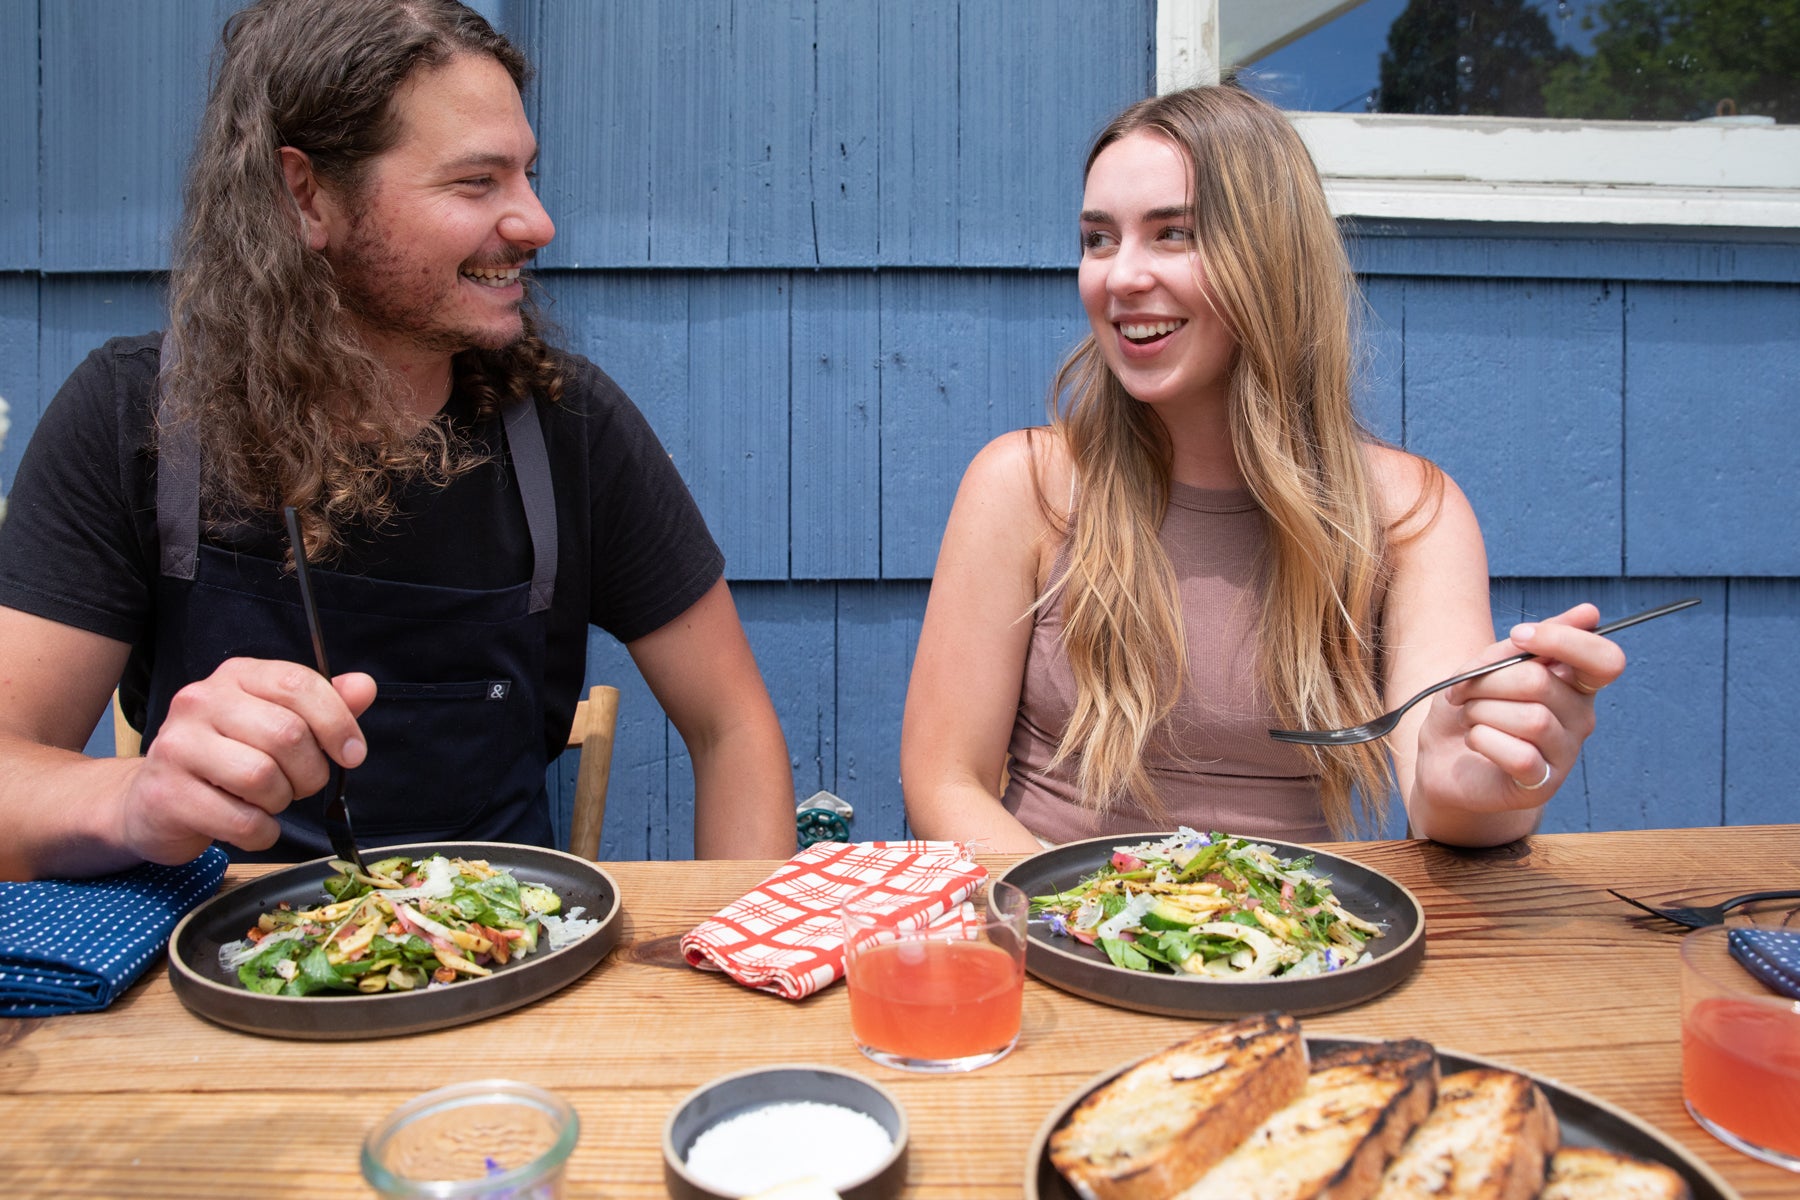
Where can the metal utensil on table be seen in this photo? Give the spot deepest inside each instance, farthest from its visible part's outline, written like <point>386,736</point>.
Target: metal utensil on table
<point>1383,725</point>
<point>337,814</point>
<point>1699,916</point>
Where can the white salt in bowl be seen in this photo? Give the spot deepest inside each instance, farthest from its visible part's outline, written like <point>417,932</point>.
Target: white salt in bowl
<point>783,1121</point>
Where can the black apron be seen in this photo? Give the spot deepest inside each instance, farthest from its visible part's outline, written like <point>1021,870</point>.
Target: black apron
<point>455,735</point>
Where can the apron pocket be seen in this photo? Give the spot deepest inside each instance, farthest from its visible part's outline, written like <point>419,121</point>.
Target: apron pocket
<point>440,755</point>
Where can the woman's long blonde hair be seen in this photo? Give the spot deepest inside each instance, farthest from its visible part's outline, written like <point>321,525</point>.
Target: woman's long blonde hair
<point>1276,267</point>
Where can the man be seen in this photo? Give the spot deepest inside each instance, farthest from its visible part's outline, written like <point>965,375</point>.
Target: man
<point>350,334</point>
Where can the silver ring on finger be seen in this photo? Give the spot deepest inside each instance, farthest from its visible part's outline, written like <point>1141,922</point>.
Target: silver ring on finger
<point>1532,787</point>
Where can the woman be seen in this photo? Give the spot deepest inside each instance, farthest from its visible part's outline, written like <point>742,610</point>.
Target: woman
<point>1204,544</point>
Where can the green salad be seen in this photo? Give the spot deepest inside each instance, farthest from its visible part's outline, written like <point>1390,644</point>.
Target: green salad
<point>406,924</point>
<point>1211,905</point>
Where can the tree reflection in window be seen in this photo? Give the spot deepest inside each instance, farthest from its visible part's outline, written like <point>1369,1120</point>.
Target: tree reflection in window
<point>1680,60</point>
<point>1643,60</point>
<point>1488,58</point>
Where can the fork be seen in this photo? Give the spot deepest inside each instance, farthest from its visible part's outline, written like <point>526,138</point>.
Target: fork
<point>337,813</point>
<point>1702,915</point>
<point>1383,725</point>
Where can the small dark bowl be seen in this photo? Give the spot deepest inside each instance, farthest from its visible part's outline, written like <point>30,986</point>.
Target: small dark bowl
<point>784,1083</point>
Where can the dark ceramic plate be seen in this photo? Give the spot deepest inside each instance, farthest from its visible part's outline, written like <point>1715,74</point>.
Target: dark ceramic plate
<point>1585,1120</point>
<point>1086,971</point>
<point>214,993</point>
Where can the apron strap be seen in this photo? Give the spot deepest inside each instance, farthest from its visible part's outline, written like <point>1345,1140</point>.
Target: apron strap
<point>177,481</point>
<point>531,463</point>
<point>178,490</point>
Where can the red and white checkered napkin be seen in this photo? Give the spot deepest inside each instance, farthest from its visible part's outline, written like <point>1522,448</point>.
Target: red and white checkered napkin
<point>785,935</point>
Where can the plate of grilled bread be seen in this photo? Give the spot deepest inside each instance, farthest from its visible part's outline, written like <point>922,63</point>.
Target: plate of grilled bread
<point>1378,924</point>
<point>1254,1110</point>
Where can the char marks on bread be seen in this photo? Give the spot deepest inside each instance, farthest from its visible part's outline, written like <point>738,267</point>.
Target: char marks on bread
<point>1487,1138</point>
<point>1589,1173</point>
<point>1359,1106</point>
<point>1166,1121</point>
<point>1235,1113</point>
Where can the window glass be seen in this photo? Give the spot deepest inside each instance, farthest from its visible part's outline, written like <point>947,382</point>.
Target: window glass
<point>1643,60</point>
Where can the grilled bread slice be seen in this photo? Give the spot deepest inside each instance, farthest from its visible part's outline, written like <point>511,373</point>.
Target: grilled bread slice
<point>1487,1139</point>
<point>1160,1126</point>
<point>1333,1143</point>
<point>1589,1173</point>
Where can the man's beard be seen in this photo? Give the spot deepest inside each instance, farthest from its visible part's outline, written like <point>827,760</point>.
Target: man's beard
<point>373,288</point>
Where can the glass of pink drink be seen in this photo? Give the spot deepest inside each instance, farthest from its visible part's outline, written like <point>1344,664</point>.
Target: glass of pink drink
<point>942,998</point>
<point>1740,1052</point>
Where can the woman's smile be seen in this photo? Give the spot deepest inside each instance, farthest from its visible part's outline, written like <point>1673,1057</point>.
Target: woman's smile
<point>1143,338</point>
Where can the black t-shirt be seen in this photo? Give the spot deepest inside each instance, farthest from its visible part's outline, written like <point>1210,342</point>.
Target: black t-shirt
<point>78,545</point>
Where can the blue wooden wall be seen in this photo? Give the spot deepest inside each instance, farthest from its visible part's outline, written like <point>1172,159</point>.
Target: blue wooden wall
<point>829,249</point>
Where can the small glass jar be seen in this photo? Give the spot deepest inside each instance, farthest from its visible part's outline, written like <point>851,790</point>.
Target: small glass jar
<point>494,1139</point>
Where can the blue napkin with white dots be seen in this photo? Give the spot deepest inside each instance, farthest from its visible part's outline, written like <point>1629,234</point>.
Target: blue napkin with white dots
<point>1772,955</point>
<point>72,945</point>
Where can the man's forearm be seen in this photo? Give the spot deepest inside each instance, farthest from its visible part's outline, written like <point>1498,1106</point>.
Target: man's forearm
<point>744,796</point>
<point>56,808</point>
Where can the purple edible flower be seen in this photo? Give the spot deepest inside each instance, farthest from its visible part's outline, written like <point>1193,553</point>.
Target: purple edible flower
<point>1058,925</point>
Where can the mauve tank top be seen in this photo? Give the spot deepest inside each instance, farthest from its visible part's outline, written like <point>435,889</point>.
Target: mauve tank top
<point>1217,767</point>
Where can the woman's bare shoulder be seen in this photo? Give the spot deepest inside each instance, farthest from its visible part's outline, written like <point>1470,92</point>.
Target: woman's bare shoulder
<point>1023,467</point>
<point>1415,494</point>
<point>1013,505</point>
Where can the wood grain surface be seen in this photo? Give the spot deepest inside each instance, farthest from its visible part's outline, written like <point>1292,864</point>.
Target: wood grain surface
<point>1528,961</point>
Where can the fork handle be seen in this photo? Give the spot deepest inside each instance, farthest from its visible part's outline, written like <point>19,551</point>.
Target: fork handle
<point>1752,897</point>
<point>1649,614</point>
<point>307,605</point>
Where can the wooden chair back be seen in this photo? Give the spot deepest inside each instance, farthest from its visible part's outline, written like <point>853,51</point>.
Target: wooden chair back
<point>127,742</point>
<point>596,720</point>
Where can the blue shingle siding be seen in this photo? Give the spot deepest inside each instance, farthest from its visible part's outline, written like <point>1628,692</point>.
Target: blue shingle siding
<point>1516,388</point>
<point>18,136</point>
<point>817,133</point>
<point>1712,443</point>
<point>829,249</point>
<point>122,87</point>
<point>18,368</point>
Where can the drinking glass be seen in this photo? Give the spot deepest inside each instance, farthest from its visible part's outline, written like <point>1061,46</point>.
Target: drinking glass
<point>493,1139</point>
<point>1740,1052</point>
<point>945,997</point>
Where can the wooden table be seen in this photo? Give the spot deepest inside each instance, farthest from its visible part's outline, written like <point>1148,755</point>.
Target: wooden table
<point>1528,961</point>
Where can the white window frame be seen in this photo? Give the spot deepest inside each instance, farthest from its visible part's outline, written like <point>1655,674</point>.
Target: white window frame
<point>1400,167</point>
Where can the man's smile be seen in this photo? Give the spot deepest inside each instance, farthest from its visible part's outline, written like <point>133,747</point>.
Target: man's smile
<point>494,277</point>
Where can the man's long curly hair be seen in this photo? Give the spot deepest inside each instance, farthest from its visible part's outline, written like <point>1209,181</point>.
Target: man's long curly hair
<point>288,403</point>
